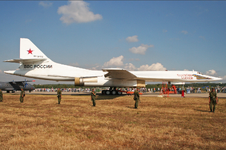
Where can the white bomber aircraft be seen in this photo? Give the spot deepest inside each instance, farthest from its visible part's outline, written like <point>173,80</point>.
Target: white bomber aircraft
<point>35,64</point>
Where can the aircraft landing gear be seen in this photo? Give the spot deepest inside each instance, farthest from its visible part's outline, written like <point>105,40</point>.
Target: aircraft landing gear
<point>114,92</point>
<point>119,93</point>
<point>107,92</point>
<point>103,92</point>
<point>111,91</point>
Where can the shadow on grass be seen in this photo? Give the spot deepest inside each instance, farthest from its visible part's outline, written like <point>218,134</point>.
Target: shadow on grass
<point>130,107</point>
<point>108,97</point>
<point>201,110</point>
<point>98,97</point>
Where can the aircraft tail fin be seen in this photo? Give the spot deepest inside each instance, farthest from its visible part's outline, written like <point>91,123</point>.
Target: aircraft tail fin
<point>28,50</point>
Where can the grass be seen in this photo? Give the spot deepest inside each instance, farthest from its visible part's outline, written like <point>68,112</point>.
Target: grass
<point>158,123</point>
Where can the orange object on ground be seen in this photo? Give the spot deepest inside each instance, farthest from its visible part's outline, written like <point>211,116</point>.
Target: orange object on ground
<point>175,89</point>
<point>131,93</point>
<point>165,89</point>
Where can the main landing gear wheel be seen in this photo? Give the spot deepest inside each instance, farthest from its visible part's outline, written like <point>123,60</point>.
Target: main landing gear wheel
<point>119,93</point>
<point>108,92</point>
<point>103,92</point>
<point>114,92</point>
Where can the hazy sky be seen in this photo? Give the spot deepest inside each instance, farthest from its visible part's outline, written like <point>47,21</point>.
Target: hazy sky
<point>135,35</point>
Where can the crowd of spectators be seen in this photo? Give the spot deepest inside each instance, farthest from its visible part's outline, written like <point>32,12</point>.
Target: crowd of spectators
<point>150,90</point>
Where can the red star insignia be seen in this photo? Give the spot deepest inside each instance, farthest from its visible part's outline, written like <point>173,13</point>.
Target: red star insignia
<point>29,51</point>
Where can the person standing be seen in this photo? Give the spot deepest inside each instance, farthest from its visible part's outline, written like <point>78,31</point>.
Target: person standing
<point>59,95</point>
<point>213,99</point>
<point>182,92</point>
<point>93,97</point>
<point>22,95</point>
<point>136,98</point>
<point>1,96</point>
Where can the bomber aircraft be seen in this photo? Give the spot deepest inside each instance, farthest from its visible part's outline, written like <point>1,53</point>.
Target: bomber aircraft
<point>16,86</point>
<point>35,64</point>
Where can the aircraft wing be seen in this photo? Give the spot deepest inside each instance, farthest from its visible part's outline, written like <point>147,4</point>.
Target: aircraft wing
<point>25,60</point>
<point>119,73</point>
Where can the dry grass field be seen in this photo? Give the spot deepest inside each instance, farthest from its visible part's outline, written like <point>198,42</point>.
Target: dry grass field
<point>158,123</point>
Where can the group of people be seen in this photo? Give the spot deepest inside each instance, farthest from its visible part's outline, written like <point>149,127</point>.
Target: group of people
<point>93,97</point>
<point>213,99</point>
<point>136,98</point>
<point>22,95</point>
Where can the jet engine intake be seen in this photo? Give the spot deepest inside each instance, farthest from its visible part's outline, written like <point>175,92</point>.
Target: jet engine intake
<point>81,81</point>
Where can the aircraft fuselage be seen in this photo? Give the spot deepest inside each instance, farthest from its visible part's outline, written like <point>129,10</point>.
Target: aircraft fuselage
<point>35,64</point>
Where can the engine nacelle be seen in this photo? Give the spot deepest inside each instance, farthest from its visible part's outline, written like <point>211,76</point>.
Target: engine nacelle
<point>140,83</point>
<point>81,81</point>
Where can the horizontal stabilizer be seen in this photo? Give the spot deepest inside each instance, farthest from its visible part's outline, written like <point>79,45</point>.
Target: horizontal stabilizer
<point>25,60</point>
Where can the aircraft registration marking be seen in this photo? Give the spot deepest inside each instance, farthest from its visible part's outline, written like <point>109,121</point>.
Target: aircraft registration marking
<point>185,76</point>
<point>38,66</point>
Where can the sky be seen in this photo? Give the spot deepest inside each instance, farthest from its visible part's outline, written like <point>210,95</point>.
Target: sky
<point>134,35</point>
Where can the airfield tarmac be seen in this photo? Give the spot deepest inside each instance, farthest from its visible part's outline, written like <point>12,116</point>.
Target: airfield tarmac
<point>158,123</point>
